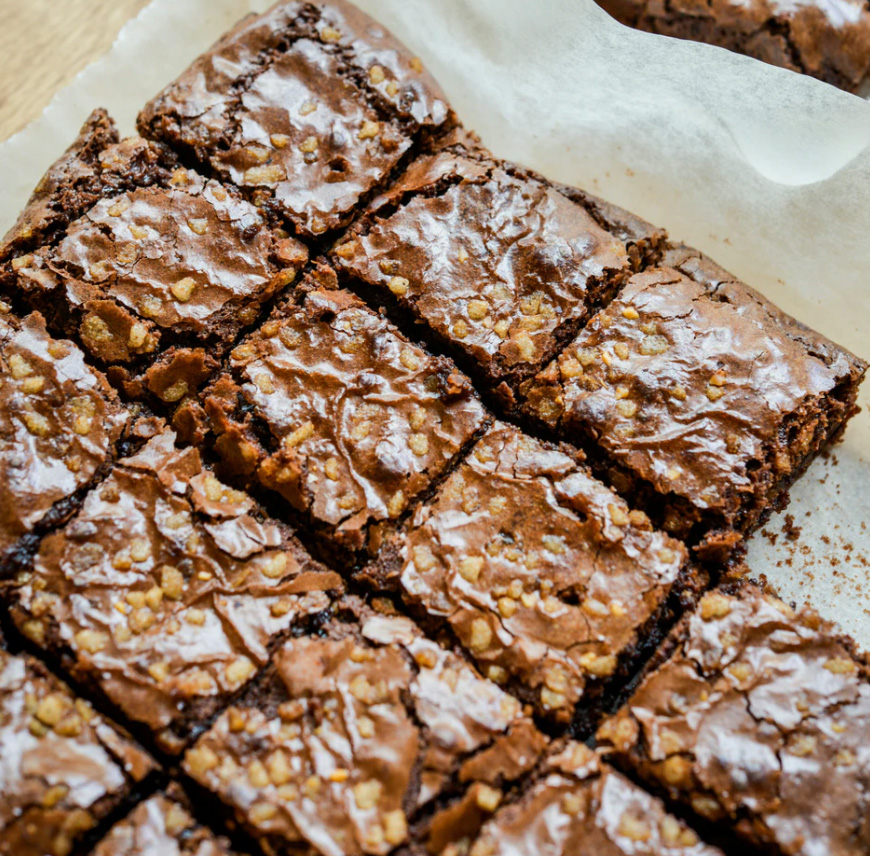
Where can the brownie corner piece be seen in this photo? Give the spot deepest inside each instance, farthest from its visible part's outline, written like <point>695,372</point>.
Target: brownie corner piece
<point>308,108</point>
<point>153,267</point>
<point>164,593</point>
<point>499,265</point>
<point>700,400</point>
<point>364,738</point>
<point>756,717</point>
<point>60,423</point>
<point>576,803</point>
<point>97,163</point>
<point>552,585</point>
<point>328,405</point>
<point>65,767</point>
<point>161,824</point>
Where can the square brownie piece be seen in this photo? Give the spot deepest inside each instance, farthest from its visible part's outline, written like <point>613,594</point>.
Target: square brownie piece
<point>758,718</point>
<point>155,272</point>
<point>579,805</point>
<point>551,584</point>
<point>60,422</point>
<point>65,767</point>
<point>308,108</point>
<point>331,407</point>
<point>699,399</point>
<point>167,589</point>
<point>364,738</point>
<point>499,266</point>
<point>161,826</point>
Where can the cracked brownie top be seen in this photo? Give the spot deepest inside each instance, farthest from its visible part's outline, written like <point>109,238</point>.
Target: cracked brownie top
<point>579,806</point>
<point>166,590</point>
<point>547,578</point>
<point>761,716</point>
<point>366,737</point>
<point>343,416</point>
<point>64,767</point>
<point>699,389</point>
<point>498,263</point>
<point>308,107</point>
<point>59,423</point>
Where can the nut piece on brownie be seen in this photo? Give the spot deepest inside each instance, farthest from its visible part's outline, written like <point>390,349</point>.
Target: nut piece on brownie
<point>308,108</point>
<point>165,591</point>
<point>59,424</point>
<point>65,768</point>
<point>578,805</point>
<point>161,826</point>
<point>546,577</point>
<point>501,266</point>
<point>704,400</point>
<point>363,738</point>
<point>758,718</point>
<point>146,261</point>
<point>330,406</point>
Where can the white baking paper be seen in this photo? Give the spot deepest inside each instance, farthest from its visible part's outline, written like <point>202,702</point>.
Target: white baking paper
<point>767,171</point>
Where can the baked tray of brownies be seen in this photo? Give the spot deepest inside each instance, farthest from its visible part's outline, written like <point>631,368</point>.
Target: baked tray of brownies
<point>364,492</point>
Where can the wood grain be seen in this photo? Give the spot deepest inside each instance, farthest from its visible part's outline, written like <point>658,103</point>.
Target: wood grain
<point>45,43</point>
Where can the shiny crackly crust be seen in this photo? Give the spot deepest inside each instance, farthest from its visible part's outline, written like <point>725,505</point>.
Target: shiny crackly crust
<point>348,420</point>
<point>64,766</point>
<point>830,41</point>
<point>499,265</point>
<point>579,805</point>
<point>188,259</point>
<point>359,741</point>
<point>97,164</point>
<point>759,717</point>
<point>705,398</point>
<point>543,573</point>
<point>59,424</point>
<point>160,826</point>
<point>165,591</point>
<point>308,107</point>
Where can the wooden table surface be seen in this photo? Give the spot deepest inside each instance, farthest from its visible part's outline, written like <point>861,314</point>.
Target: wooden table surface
<point>45,43</point>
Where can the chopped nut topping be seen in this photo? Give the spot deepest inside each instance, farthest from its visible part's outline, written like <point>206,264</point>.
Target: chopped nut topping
<point>477,309</point>
<point>633,828</point>
<point>376,75</point>
<point>396,505</point>
<point>270,174</point>
<point>307,108</point>
<point>183,289</point>
<point>487,798</point>
<point>631,313</point>
<point>481,636</point>
<point>330,34</point>
<point>175,392</point>
<point>419,444</point>
<point>395,827</point>
<point>470,568</point>
<point>309,145</point>
<point>714,605</point>
<point>369,130</point>
<point>840,666</point>
<point>299,436</point>
<point>399,285</point>
<point>367,794</point>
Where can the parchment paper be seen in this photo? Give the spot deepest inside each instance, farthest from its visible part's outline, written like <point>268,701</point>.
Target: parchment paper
<point>767,171</point>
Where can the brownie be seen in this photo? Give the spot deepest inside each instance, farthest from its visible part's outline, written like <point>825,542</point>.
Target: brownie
<point>156,272</point>
<point>701,400</point>
<point>309,108</point>
<point>552,585</point>
<point>96,165</point>
<point>161,826</point>
<point>577,806</point>
<point>166,590</point>
<point>829,41</point>
<point>499,266</point>
<point>59,425</point>
<point>331,407</point>
<point>758,719</point>
<point>65,767</point>
<point>366,737</point>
